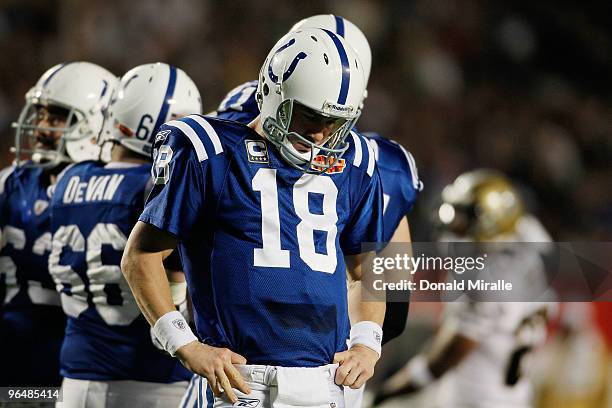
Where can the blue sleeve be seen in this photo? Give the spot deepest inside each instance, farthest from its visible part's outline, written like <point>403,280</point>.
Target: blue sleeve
<point>400,181</point>
<point>412,184</point>
<point>176,198</point>
<point>366,224</point>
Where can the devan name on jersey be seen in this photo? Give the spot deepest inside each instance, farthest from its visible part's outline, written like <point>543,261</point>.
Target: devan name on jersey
<point>97,188</point>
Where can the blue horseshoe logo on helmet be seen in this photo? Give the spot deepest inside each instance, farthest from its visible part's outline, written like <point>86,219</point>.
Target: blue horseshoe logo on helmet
<point>302,55</point>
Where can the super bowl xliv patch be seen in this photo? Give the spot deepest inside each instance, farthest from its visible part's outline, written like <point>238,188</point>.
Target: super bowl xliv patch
<point>257,151</point>
<point>336,167</point>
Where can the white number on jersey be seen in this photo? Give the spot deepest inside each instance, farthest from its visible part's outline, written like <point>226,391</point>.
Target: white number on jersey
<point>160,171</point>
<point>99,276</point>
<point>272,255</point>
<point>15,237</point>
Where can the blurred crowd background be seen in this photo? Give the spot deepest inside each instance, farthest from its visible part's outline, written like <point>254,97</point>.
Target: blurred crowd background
<point>520,86</point>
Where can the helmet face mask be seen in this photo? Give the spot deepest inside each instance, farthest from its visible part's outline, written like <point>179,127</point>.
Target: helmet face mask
<point>281,132</point>
<point>62,115</point>
<point>46,145</point>
<point>309,93</point>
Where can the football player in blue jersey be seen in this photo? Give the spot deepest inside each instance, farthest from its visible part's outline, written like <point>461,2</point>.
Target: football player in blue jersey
<point>108,358</point>
<point>63,112</point>
<point>263,217</point>
<point>400,181</point>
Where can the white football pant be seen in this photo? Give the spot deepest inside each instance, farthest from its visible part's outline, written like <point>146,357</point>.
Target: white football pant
<point>120,394</point>
<point>274,387</point>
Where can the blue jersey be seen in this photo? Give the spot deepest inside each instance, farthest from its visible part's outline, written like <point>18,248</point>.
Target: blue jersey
<point>26,238</point>
<point>398,174</point>
<point>397,167</point>
<point>261,243</point>
<point>94,208</point>
<point>32,323</point>
<point>400,180</point>
<point>401,186</point>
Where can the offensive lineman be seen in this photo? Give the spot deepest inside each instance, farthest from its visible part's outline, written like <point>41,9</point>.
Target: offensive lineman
<point>63,112</point>
<point>108,359</point>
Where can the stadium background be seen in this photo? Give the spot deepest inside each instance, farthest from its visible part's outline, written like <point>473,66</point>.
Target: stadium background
<point>522,86</point>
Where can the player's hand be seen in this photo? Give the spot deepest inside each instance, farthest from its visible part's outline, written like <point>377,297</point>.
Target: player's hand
<point>399,384</point>
<point>217,365</point>
<point>356,366</point>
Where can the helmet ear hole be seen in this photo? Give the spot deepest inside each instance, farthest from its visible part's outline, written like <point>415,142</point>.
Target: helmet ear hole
<point>266,89</point>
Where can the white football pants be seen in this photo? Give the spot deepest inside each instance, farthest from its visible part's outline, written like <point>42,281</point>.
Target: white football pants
<point>274,387</point>
<point>120,394</point>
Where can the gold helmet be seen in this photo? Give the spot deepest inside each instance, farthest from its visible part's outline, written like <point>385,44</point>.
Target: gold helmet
<point>481,204</point>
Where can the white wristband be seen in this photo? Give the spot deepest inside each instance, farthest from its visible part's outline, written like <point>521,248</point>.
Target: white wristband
<point>368,334</point>
<point>173,332</point>
<point>419,372</point>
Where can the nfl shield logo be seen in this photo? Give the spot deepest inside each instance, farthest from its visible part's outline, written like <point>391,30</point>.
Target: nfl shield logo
<point>179,324</point>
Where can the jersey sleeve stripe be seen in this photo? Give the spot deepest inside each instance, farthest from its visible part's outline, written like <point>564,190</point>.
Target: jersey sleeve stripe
<point>358,151</point>
<point>374,145</point>
<point>210,131</point>
<point>371,160</point>
<point>193,137</point>
<point>416,182</point>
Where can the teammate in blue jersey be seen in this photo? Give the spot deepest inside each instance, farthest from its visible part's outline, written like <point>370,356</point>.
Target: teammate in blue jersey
<point>263,217</point>
<point>63,112</point>
<point>107,355</point>
<point>401,186</point>
<point>400,182</point>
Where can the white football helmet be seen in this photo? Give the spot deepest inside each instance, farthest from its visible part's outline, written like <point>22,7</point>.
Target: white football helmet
<point>345,29</point>
<point>147,96</point>
<point>316,69</point>
<point>80,91</point>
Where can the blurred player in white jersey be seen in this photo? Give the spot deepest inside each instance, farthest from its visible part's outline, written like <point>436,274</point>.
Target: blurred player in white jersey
<point>108,358</point>
<point>62,114</point>
<point>481,350</point>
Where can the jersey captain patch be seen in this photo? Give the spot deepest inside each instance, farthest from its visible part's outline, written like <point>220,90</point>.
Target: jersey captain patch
<point>257,151</point>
